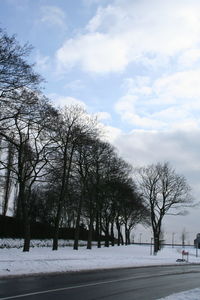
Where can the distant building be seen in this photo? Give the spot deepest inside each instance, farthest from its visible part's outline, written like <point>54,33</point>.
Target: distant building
<point>197,241</point>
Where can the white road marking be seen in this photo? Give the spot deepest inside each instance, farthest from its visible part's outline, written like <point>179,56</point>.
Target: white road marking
<point>68,288</point>
<point>93,284</point>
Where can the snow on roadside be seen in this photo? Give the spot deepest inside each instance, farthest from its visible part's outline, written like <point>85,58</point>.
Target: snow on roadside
<point>188,295</point>
<point>44,260</point>
<point>18,243</point>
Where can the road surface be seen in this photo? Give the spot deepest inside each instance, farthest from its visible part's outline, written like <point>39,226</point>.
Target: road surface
<point>144,283</point>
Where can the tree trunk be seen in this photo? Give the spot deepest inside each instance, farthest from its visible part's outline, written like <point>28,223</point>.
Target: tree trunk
<point>76,234</point>
<point>64,185</point>
<point>156,242</point>
<point>121,239</point>
<point>25,197</point>
<point>112,234</point>
<point>56,229</point>
<point>19,205</point>
<point>27,235</point>
<point>89,241</point>
<point>126,235</point>
<point>107,235</point>
<point>24,214</point>
<point>77,228</point>
<point>118,233</point>
<point>100,231</point>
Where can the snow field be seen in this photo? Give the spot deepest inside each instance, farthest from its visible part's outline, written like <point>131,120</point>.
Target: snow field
<point>43,260</point>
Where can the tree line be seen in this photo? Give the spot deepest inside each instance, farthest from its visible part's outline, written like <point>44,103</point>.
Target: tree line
<point>56,169</point>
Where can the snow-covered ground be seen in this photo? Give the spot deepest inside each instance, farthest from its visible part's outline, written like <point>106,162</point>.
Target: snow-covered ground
<point>43,260</point>
<point>18,243</point>
<point>188,295</point>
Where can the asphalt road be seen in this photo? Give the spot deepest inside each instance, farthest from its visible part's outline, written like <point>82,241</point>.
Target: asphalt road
<point>144,283</point>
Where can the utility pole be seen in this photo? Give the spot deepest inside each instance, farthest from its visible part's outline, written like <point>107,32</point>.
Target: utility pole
<point>173,234</point>
<point>140,238</point>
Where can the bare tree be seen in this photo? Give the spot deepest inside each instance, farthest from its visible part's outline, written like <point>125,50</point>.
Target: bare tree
<point>100,153</point>
<point>15,70</point>
<point>83,163</point>
<point>163,190</point>
<point>134,211</point>
<point>71,126</point>
<point>26,131</point>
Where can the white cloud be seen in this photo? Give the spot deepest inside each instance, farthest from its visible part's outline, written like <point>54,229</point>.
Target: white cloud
<point>133,31</point>
<point>103,116</point>
<point>42,62</point>
<point>53,15</point>
<point>95,52</point>
<point>189,57</point>
<point>180,85</point>
<point>137,85</point>
<point>180,148</point>
<point>61,101</point>
<point>127,108</point>
<point>110,133</point>
<point>144,147</point>
<point>171,101</point>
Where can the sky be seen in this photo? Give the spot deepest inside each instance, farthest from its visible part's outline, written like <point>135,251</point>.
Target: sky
<point>134,63</point>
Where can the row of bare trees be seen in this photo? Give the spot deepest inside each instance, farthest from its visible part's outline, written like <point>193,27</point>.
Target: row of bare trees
<point>63,173</point>
<point>59,163</point>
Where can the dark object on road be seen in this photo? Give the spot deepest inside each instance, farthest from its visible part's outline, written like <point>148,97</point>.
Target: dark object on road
<point>180,260</point>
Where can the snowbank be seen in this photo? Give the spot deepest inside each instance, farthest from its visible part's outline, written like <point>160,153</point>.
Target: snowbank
<point>188,295</point>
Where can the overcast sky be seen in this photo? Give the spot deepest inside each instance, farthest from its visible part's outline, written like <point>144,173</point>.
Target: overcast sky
<point>134,62</point>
